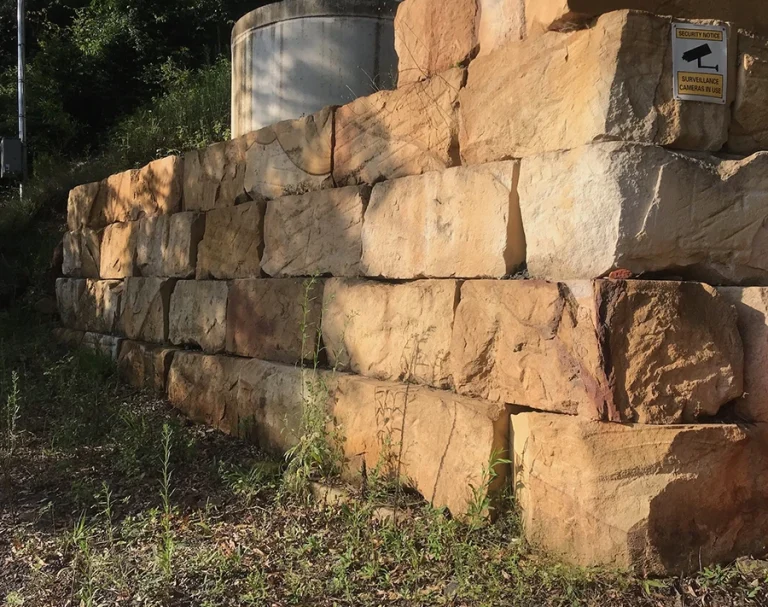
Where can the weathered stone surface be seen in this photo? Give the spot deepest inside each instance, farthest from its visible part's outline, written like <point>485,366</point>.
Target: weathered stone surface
<point>463,222</point>
<point>146,304</point>
<point>167,245</point>
<point>611,81</point>
<point>158,188</point>
<point>233,242</point>
<point>569,14</point>
<point>431,37</point>
<point>752,309</point>
<point>82,253</point>
<point>749,127</point>
<point>144,366</point>
<point>106,345</point>
<point>80,205</point>
<point>499,22</point>
<point>114,199</point>
<point>198,314</point>
<point>68,337</point>
<point>391,331</point>
<point>315,233</point>
<point>265,317</point>
<point>396,133</point>
<point>663,499</point>
<point>118,250</point>
<point>439,442</point>
<point>89,305</point>
<point>214,176</point>
<point>600,350</point>
<point>290,157</point>
<point>606,206</point>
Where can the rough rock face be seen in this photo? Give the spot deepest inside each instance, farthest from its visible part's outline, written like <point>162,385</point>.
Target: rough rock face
<point>158,188</point>
<point>82,253</point>
<point>431,37</point>
<point>663,499</point>
<point>89,305</point>
<point>391,332</point>
<point>265,316</point>
<point>214,176</point>
<point>445,441</point>
<point>80,205</point>
<point>601,207</point>
<point>752,308</point>
<point>114,199</point>
<point>464,222</point>
<point>749,127</point>
<point>198,314</point>
<point>144,366</point>
<point>146,303</point>
<point>499,22</point>
<point>600,350</point>
<point>118,250</point>
<point>290,157</point>
<point>233,242</point>
<point>606,79</point>
<point>396,133</point>
<point>68,337</point>
<point>106,345</point>
<point>315,233</point>
<point>167,245</point>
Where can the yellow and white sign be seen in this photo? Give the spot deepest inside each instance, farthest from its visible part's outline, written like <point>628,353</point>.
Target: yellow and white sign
<point>700,62</point>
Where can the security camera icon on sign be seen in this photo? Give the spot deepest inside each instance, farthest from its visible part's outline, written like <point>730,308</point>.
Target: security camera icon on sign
<point>697,54</point>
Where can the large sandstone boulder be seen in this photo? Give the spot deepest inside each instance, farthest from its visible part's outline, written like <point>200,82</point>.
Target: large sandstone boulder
<point>144,366</point>
<point>612,81</point>
<point>233,242</point>
<point>118,250</point>
<point>214,176</point>
<point>167,245</point>
<point>499,22</point>
<point>396,133</point>
<point>114,199</point>
<point>749,127</point>
<point>82,253</point>
<point>68,337</point>
<point>89,305</point>
<point>198,314</point>
<point>105,345</point>
<point>80,205</point>
<point>752,309</point>
<point>274,319</point>
<point>608,206</point>
<point>439,443</point>
<point>145,308</point>
<point>391,331</point>
<point>662,499</point>
<point>315,233</point>
<point>290,157</point>
<point>643,351</point>
<point>463,222</point>
<point>158,188</point>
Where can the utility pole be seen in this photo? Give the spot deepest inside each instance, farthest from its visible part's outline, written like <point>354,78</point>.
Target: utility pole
<point>22,94</point>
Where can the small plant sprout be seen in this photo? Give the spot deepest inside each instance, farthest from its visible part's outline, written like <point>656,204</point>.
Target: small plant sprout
<point>167,547</point>
<point>481,503</point>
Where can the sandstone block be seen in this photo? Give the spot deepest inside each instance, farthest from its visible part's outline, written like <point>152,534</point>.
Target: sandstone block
<point>167,245</point>
<point>290,157</point>
<point>198,314</point>
<point>114,199</point>
<point>80,205</point>
<point>68,337</point>
<point>613,81</point>
<point>82,253</point>
<point>661,499</point>
<point>752,309</point>
<point>749,127</point>
<point>144,366</point>
<point>118,250</point>
<point>214,176</point>
<point>602,207</point>
<point>391,331</point>
<point>89,305</point>
<point>233,242</point>
<point>265,317</point>
<point>106,345</point>
<point>463,222</point>
<point>499,22</point>
<point>599,349</point>
<point>315,233</point>
<point>146,304</point>
<point>396,133</point>
<point>158,188</point>
<point>431,37</point>
<point>440,442</point>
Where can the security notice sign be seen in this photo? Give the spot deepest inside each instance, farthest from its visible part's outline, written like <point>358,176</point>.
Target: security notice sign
<point>700,62</point>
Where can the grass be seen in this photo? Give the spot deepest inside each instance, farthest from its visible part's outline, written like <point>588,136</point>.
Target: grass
<point>112,498</point>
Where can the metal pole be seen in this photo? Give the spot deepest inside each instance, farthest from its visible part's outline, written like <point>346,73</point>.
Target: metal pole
<point>22,96</point>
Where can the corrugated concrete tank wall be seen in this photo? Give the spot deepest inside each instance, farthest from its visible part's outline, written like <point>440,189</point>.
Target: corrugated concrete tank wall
<point>295,57</point>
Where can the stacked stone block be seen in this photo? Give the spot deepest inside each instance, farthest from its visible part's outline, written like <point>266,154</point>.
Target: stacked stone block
<point>497,259</point>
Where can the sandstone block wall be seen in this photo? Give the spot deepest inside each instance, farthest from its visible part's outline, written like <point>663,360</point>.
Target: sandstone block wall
<point>528,250</point>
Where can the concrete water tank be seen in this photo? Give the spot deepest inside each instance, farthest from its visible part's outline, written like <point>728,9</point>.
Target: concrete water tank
<point>293,58</point>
